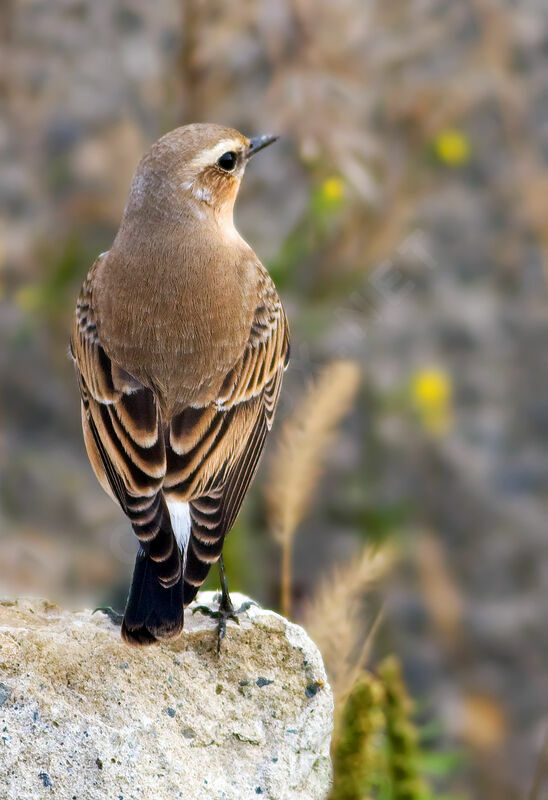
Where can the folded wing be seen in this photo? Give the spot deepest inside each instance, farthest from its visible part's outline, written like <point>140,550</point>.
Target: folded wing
<point>213,452</point>
<point>123,433</point>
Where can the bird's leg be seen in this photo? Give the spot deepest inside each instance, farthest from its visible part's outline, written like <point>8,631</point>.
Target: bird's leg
<point>226,608</point>
<point>113,615</point>
<point>225,604</point>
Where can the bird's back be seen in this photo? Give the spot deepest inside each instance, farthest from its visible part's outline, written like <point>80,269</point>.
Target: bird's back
<point>179,325</point>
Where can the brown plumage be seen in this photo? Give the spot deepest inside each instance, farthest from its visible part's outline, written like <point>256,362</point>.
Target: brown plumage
<point>180,342</point>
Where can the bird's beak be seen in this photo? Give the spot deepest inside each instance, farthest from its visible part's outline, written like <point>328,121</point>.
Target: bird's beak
<point>258,142</point>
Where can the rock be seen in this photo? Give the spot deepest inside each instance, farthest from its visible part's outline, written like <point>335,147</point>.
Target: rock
<point>85,716</point>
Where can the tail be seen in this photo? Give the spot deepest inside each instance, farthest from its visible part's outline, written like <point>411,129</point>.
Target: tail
<point>155,605</point>
<point>154,610</point>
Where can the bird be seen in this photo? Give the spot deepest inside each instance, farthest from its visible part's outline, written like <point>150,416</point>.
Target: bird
<point>180,342</point>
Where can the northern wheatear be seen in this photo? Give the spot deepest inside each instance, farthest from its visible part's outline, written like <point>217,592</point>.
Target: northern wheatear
<point>180,342</point>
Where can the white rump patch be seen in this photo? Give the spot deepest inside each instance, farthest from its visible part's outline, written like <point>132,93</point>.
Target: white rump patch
<point>180,522</point>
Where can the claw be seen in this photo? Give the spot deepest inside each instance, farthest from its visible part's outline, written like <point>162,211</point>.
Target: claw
<point>206,611</point>
<point>225,612</point>
<point>226,609</point>
<point>113,615</point>
<point>246,606</point>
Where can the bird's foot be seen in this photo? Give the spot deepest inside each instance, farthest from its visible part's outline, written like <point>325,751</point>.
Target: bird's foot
<point>225,612</point>
<point>113,615</point>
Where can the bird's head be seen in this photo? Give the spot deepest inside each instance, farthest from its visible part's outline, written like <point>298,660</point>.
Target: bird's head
<point>194,169</point>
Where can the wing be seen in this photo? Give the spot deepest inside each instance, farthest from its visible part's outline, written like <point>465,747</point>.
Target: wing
<point>124,438</point>
<point>213,452</point>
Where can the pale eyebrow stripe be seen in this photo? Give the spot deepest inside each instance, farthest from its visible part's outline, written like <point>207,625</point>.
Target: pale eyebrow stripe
<point>208,157</point>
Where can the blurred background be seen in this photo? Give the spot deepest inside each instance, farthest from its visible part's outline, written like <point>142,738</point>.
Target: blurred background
<point>403,216</point>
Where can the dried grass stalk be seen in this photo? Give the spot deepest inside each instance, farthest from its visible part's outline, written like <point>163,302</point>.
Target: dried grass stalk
<point>296,465</point>
<point>441,594</point>
<point>334,617</point>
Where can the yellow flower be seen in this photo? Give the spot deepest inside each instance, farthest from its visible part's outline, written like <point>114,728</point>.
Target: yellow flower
<point>431,395</point>
<point>452,147</point>
<point>431,387</point>
<point>332,190</point>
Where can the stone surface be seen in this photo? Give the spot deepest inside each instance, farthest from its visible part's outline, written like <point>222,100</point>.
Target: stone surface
<point>85,717</point>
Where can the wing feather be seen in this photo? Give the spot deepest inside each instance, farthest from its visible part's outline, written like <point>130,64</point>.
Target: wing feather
<point>207,457</point>
<point>213,452</point>
<point>123,432</point>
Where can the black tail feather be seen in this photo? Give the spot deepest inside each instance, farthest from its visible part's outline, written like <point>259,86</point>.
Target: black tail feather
<point>153,611</point>
<point>196,572</point>
<point>152,524</point>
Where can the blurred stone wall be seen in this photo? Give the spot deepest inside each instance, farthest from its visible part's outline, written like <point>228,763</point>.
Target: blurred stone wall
<point>403,216</point>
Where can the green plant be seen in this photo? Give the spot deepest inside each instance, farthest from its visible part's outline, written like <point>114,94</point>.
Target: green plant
<point>377,749</point>
<point>356,754</point>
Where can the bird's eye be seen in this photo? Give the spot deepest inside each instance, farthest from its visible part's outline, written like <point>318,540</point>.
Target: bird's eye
<point>227,161</point>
